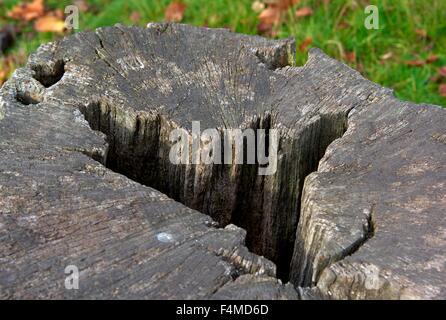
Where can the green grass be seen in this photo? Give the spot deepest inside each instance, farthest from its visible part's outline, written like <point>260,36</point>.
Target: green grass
<point>399,20</point>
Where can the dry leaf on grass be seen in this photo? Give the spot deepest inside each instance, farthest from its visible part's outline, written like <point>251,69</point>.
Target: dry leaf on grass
<point>441,74</point>
<point>386,56</point>
<point>175,12</point>
<point>442,90</point>
<point>350,56</point>
<point>304,12</point>
<point>343,25</point>
<point>435,79</point>
<point>432,58</point>
<point>27,11</point>
<point>265,29</point>
<point>421,33</point>
<point>285,4</point>
<point>50,23</point>
<point>82,5</point>
<point>2,76</point>
<point>9,63</point>
<point>416,63</point>
<point>270,16</point>
<point>305,44</point>
<point>135,17</point>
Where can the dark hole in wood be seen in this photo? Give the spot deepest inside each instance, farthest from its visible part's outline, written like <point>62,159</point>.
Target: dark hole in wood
<point>49,76</point>
<point>135,155</point>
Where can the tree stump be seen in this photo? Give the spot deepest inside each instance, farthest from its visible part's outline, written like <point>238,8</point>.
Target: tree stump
<point>354,209</point>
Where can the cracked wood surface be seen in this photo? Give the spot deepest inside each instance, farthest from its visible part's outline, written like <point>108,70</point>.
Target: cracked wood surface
<point>373,218</point>
<point>371,221</point>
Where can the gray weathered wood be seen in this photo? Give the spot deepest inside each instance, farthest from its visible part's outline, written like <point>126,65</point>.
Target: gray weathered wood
<point>373,218</point>
<point>59,206</point>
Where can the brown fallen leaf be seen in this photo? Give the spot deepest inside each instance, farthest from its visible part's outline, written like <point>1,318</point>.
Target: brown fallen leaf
<point>442,90</point>
<point>58,13</point>
<point>432,58</point>
<point>135,17</point>
<point>440,76</point>
<point>2,76</point>
<point>27,11</point>
<point>264,28</point>
<point>9,63</point>
<point>361,69</point>
<point>49,23</point>
<point>350,56</point>
<point>421,33</point>
<point>436,78</point>
<point>285,4</point>
<point>305,44</point>
<point>416,63</point>
<point>82,5</point>
<point>270,16</point>
<point>304,12</point>
<point>343,25</point>
<point>175,12</point>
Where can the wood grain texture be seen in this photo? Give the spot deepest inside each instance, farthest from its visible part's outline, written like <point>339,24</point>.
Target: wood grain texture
<point>85,177</point>
<point>373,218</point>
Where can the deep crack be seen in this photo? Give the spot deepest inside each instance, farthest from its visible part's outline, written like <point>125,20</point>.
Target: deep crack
<point>138,148</point>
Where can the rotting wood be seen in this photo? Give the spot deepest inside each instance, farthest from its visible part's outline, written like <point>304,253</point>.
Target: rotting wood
<point>62,204</point>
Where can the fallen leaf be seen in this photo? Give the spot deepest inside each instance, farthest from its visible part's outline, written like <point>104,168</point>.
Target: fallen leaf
<point>305,44</point>
<point>135,17</point>
<point>270,16</point>
<point>257,6</point>
<point>442,90</point>
<point>49,23</point>
<point>436,79</point>
<point>442,71</point>
<point>350,56</point>
<point>82,5</point>
<point>432,58</point>
<point>285,4</point>
<point>10,63</point>
<point>343,25</point>
<point>416,63</point>
<point>386,56</point>
<point>175,12</point>
<point>264,28</point>
<point>2,76</point>
<point>361,69</point>
<point>429,47</point>
<point>57,13</point>
<point>304,12</point>
<point>421,33</point>
<point>27,11</point>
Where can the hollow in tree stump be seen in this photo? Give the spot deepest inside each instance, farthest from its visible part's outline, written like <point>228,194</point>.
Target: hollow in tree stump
<point>354,209</point>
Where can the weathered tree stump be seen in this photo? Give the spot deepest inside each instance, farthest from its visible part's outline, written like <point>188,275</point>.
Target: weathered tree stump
<point>84,166</point>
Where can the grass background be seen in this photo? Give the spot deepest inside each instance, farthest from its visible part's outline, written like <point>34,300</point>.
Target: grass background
<point>336,28</point>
